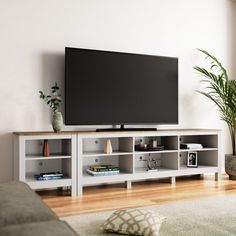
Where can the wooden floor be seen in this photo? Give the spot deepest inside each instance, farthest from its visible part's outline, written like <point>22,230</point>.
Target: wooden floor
<point>110,197</point>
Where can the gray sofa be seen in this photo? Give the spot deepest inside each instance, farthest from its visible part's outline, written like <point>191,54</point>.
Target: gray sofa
<point>23,213</point>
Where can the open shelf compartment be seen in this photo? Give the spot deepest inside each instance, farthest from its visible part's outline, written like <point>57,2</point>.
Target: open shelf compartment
<point>124,162</point>
<point>58,148</point>
<point>95,146</point>
<point>164,161</point>
<point>207,141</point>
<point>52,165</point>
<point>170,143</point>
<point>204,159</point>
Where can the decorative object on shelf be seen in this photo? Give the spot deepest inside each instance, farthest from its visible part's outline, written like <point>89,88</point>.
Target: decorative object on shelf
<point>153,143</point>
<point>192,159</point>
<point>191,146</point>
<point>54,101</point>
<point>222,91</point>
<point>108,147</point>
<point>152,163</point>
<point>46,149</point>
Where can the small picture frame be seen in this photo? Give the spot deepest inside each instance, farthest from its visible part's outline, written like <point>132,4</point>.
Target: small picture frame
<point>192,160</point>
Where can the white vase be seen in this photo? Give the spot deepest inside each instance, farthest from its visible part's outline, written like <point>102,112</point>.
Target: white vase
<point>108,147</point>
<point>57,121</point>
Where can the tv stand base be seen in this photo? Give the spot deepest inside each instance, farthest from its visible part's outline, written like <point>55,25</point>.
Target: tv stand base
<point>125,129</point>
<point>122,128</point>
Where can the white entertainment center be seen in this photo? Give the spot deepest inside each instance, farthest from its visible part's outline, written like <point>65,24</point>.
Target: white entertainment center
<point>73,152</point>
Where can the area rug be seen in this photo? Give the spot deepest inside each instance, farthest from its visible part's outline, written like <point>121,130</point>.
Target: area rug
<point>214,216</point>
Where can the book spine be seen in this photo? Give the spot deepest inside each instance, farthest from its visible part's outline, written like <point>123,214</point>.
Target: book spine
<point>101,167</point>
<point>104,169</point>
<point>48,178</point>
<point>52,175</point>
<point>103,173</point>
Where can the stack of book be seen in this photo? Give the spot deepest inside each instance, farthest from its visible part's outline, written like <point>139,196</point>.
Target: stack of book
<point>102,170</point>
<point>49,176</point>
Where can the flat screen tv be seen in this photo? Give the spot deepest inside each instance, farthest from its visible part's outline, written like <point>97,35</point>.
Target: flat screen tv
<point>116,88</point>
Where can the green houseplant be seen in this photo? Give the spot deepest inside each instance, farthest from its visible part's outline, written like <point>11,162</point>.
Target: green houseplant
<point>54,101</point>
<point>222,91</point>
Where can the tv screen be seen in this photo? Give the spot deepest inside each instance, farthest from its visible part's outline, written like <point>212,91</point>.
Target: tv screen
<point>112,88</point>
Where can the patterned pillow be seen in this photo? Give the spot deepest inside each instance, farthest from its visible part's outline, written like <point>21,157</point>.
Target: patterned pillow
<point>134,222</point>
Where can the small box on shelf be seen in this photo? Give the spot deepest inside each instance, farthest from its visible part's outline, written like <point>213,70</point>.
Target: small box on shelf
<point>191,146</point>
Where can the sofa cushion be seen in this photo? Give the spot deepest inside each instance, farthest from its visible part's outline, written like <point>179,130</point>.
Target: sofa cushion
<point>19,204</point>
<point>44,228</point>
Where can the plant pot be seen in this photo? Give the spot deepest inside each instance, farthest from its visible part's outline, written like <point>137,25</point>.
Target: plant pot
<point>57,121</point>
<point>230,166</point>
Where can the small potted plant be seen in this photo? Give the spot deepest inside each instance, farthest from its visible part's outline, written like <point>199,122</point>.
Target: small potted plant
<point>54,101</point>
<point>222,91</point>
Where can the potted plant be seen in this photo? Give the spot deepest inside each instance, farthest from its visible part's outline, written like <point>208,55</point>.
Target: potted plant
<point>54,101</point>
<point>222,91</point>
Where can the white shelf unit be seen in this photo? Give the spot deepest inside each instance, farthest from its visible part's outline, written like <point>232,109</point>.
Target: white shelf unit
<point>172,160</point>
<point>29,161</point>
<point>73,152</point>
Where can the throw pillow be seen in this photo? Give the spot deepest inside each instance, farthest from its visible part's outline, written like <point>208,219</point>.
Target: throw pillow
<point>133,222</point>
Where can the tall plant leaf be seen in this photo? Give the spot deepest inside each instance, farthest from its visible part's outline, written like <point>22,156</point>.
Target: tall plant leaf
<point>221,91</point>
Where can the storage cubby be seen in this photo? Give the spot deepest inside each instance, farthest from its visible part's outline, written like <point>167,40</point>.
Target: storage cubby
<point>57,147</point>
<point>207,141</point>
<point>124,162</point>
<point>169,142</point>
<point>34,167</point>
<point>208,158</point>
<point>163,161</point>
<point>204,158</point>
<point>95,146</point>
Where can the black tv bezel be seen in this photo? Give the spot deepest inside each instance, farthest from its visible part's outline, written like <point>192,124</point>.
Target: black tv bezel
<point>124,123</point>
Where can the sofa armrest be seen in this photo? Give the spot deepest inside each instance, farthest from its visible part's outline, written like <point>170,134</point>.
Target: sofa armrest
<point>46,228</point>
<point>19,204</point>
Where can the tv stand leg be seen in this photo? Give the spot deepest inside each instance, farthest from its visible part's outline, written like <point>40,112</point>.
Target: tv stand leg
<point>201,176</point>
<point>173,180</point>
<point>128,184</point>
<point>217,176</point>
<point>80,190</point>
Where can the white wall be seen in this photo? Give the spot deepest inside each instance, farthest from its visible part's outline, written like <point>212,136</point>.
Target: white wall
<point>33,35</point>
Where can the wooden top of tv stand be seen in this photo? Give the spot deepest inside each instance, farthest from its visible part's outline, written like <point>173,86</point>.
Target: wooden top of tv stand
<point>91,132</point>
